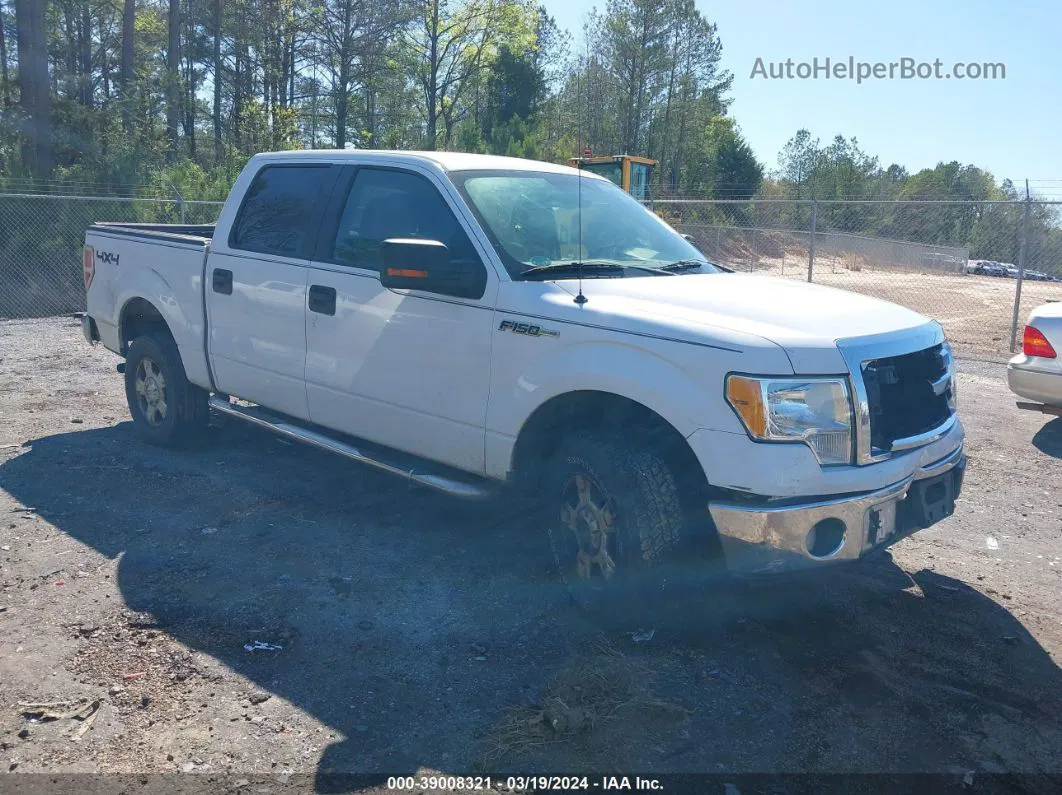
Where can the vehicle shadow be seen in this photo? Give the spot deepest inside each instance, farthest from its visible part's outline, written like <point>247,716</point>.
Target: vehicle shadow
<point>425,631</point>
<point>1048,439</point>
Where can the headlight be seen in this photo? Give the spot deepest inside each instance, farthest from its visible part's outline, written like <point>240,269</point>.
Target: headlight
<point>948,359</point>
<point>815,411</point>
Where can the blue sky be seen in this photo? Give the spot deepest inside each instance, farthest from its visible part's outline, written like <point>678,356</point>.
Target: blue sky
<point>1011,127</point>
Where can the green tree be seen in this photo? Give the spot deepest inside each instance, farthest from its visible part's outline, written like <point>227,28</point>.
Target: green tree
<point>797,161</point>
<point>452,46</point>
<point>737,172</point>
<point>352,35</point>
<point>35,100</point>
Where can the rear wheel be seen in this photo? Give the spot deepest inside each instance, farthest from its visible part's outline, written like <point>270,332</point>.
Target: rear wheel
<point>167,409</point>
<point>614,518</point>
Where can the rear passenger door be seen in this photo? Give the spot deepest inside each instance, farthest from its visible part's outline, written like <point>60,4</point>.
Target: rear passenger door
<point>406,369</point>
<point>256,286</point>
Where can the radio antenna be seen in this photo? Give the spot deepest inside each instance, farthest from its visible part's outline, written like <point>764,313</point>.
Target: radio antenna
<point>580,299</point>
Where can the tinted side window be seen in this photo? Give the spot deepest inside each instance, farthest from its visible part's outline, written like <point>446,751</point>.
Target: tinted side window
<point>383,204</point>
<point>277,212</point>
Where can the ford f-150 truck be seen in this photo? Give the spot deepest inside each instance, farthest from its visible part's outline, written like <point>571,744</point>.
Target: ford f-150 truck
<point>470,322</point>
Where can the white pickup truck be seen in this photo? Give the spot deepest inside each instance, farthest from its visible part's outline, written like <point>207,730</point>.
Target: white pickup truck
<point>469,322</point>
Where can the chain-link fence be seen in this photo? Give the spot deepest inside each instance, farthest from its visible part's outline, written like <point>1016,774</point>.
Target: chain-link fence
<point>41,238</point>
<point>977,267</point>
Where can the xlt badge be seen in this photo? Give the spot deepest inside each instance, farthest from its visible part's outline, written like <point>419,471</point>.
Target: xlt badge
<point>526,329</point>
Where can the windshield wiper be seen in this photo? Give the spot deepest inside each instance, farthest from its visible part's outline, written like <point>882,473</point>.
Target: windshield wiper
<point>684,265</point>
<point>592,267</point>
<point>562,268</point>
<point>693,264</point>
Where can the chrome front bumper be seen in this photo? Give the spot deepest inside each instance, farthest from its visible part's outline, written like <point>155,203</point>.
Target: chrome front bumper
<point>779,535</point>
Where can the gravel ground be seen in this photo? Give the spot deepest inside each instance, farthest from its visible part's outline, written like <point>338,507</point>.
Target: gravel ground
<point>417,633</point>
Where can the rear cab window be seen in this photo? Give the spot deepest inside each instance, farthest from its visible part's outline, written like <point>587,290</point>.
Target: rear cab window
<point>279,212</point>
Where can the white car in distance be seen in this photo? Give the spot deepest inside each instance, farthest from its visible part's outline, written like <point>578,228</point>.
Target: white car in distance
<point>1036,373</point>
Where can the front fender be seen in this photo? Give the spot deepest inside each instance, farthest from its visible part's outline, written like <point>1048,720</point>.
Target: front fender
<point>688,395</point>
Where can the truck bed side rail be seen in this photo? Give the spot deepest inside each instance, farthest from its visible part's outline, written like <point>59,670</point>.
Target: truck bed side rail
<point>184,233</point>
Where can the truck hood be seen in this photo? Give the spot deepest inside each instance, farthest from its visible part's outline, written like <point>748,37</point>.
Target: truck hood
<point>806,320</point>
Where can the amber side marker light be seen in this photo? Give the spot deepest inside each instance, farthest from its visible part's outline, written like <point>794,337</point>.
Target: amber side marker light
<point>745,396</point>
<point>407,273</point>
<point>1034,343</point>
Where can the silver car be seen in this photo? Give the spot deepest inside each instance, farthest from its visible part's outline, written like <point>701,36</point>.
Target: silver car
<point>1036,372</point>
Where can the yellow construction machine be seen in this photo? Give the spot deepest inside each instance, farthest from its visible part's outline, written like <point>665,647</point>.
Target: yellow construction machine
<point>630,172</point>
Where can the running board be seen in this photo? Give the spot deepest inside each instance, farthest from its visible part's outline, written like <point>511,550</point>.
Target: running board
<point>465,489</point>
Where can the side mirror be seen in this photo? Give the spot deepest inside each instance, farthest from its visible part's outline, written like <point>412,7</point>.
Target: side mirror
<point>425,265</point>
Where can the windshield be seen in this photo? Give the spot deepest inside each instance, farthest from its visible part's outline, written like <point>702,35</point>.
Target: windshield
<point>533,220</point>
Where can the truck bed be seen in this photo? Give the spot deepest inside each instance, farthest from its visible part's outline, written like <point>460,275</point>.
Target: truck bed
<point>160,264</point>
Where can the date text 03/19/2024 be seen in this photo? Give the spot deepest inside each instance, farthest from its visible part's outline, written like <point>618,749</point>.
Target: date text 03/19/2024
<point>526,783</point>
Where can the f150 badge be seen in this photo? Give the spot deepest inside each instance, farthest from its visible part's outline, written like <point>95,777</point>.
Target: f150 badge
<point>526,329</point>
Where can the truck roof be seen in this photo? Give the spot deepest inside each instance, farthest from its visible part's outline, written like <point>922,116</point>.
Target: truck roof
<point>448,161</point>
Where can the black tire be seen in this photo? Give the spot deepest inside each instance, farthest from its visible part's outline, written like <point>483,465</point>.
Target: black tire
<point>635,495</point>
<point>182,417</point>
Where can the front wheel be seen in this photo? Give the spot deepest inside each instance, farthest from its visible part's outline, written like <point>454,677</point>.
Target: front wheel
<point>167,409</point>
<point>614,515</point>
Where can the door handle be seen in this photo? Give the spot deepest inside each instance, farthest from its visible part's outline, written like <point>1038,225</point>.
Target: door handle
<point>322,299</point>
<point>222,281</point>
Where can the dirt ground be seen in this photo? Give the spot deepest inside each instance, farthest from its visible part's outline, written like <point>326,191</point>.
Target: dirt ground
<point>409,632</point>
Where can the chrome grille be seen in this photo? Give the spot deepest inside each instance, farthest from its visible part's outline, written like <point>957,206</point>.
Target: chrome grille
<point>908,395</point>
